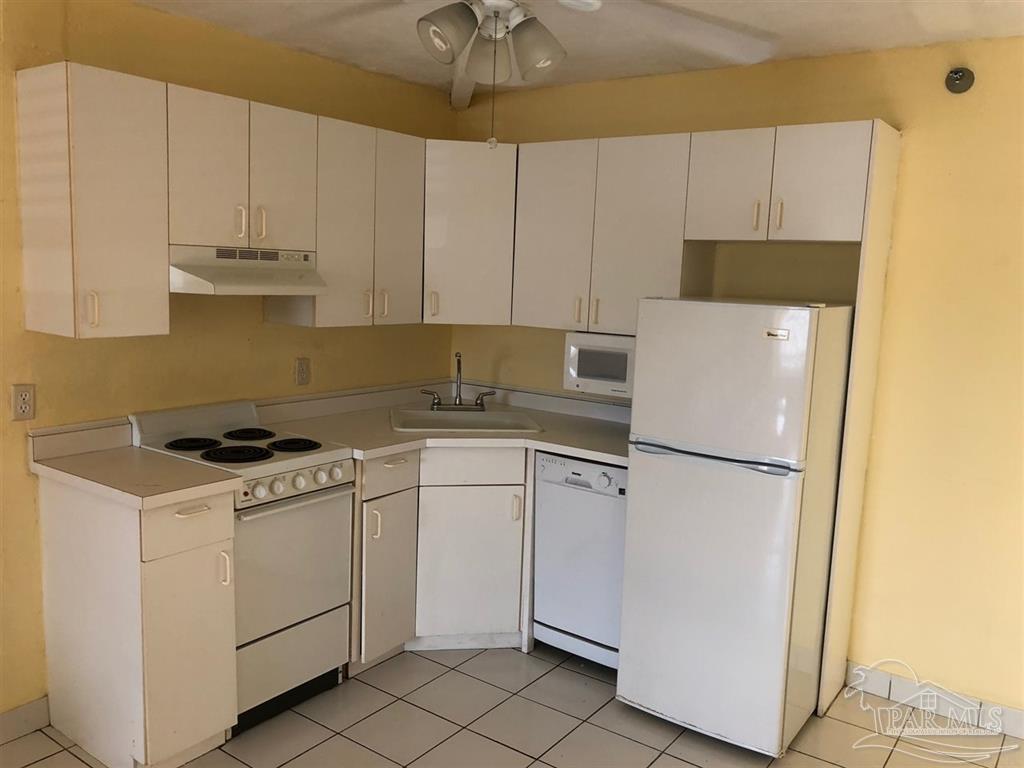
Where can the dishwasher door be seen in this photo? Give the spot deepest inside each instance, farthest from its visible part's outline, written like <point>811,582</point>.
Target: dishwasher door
<point>579,546</point>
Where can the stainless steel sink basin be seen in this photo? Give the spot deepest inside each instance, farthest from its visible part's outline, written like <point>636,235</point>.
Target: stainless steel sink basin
<point>426,420</point>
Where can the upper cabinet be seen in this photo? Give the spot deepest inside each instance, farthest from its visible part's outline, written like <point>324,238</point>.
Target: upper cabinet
<point>730,184</point>
<point>554,233</point>
<point>820,181</point>
<point>282,178</point>
<point>398,239</point>
<point>468,232</point>
<point>208,168</point>
<point>638,226</point>
<point>92,153</point>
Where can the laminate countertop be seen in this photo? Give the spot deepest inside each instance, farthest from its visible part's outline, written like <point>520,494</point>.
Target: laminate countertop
<point>138,477</point>
<point>370,435</point>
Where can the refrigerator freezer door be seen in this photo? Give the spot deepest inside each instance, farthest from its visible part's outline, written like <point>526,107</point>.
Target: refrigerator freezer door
<point>710,554</point>
<point>725,379</point>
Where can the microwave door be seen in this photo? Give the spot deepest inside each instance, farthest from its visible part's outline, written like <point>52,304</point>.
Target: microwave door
<point>599,364</point>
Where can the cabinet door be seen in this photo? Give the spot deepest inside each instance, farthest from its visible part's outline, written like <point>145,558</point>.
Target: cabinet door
<point>188,631</point>
<point>820,180</point>
<point>638,226</point>
<point>282,178</point>
<point>119,202</point>
<point>344,222</point>
<point>468,231</point>
<point>398,239</point>
<point>730,184</point>
<point>389,573</point>
<point>554,233</point>
<point>208,167</point>
<point>469,560</point>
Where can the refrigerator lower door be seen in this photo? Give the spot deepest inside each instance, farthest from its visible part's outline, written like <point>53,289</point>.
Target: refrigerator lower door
<point>707,594</point>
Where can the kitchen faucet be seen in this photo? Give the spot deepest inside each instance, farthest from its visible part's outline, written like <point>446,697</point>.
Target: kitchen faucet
<point>437,404</point>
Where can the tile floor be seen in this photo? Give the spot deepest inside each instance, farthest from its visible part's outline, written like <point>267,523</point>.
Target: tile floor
<point>505,709</point>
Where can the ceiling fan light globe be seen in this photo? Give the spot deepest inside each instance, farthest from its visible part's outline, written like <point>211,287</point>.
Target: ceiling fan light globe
<point>446,31</point>
<point>481,62</point>
<point>537,50</point>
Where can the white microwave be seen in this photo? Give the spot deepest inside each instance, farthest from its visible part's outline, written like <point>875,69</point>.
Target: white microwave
<point>599,364</point>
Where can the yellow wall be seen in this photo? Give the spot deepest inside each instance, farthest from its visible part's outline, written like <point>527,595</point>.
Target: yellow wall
<point>941,578</point>
<point>218,347</point>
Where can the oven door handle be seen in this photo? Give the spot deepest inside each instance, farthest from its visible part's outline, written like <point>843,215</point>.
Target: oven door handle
<point>289,505</point>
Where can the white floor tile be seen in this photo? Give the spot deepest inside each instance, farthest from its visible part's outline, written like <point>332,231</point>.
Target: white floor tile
<point>451,658</point>
<point>843,744</point>
<point>525,725</point>
<point>340,752</point>
<point>637,725</point>
<point>60,760</point>
<point>569,692</point>
<point>795,759</point>
<point>506,668</point>
<point>277,740</point>
<point>591,747</point>
<point>593,669</point>
<point>982,750</point>
<point>706,752</point>
<point>59,737</point>
<point>458,697</point>
<point>667,761</point>
<point>865,710</point>
<point>548,653</point>
<point>402,674</point>
<point>27,749</point>
<point>344,706</point>
<point>1012,755</point>
<point>470,750</point>
<point>215,758</point>
<point>401,732</point>
<point>85,757</point>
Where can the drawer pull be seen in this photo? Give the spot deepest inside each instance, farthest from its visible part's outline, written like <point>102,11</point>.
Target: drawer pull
<point>517,507</point>
<point>395,463</point>
<point>577,314</point>
<point>183,513</point>
<point>245,224</point>
<point>226,580</point>
<point>435,303</point>
<point>369,303</point>
<point>757,215</point>
<point>778,221</point>
<point>376,535</point>
<point>594,311</point>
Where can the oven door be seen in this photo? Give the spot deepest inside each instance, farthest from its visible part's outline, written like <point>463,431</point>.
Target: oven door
<point>292,561</point>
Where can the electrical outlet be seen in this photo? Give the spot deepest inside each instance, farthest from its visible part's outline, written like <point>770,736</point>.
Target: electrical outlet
<point>303,371</point>
<point>23,402</point>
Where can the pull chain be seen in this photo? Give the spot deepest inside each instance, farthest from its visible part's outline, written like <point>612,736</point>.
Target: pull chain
<point>493,141</point>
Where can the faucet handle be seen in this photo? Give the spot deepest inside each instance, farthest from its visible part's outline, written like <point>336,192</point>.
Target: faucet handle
<point>481,396</point>
<point>435,399</point>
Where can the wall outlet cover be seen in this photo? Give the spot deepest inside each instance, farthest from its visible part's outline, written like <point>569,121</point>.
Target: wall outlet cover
<point>303,371</point>
<point>23,402</point>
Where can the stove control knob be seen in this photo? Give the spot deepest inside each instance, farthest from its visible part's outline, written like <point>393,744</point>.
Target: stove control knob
<point>259,491</point>
<point>277,487</point>
<point>320,476</point>
<point>299,482</point>
<point>336,473</point>
<point>604,480</point>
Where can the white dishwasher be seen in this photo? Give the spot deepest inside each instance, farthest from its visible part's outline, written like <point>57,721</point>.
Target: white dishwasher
<point>579,541</point>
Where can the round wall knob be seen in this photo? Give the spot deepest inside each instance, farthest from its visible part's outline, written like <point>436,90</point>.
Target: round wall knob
<point>259,491</point>
<point>604,480</point>
<point>320,476</point>
<point>299,482</point>
<point>277,487</point>
<point>336,473</point>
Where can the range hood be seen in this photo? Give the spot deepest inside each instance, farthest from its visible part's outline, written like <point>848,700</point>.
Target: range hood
<point>244,272</point>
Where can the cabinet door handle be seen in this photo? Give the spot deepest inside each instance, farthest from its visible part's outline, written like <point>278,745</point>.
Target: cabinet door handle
<point>517,507</point>
<point>376,534</point>
<point>245,219</point>
<point>369,303</point>
<point>184,513</point>
<point>226,579</point>
<point>577,313</point>
<point>262,233</point>
<point>757,215</point>
<point>395,463</point>
<point>595,309</point>
<point>778,218</point>
<point>94,309</point>
<point>387,304</point>
<point>435,303</point>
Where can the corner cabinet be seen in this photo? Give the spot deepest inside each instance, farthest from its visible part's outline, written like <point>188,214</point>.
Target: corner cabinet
<point>468,232</point>
<point>92,152</point>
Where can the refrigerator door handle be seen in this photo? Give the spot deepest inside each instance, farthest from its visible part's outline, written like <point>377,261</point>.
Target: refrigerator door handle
<point>778,470</point>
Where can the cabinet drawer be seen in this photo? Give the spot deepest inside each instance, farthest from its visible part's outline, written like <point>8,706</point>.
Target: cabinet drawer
<point>472,466</point>
<point>190,524</point>
<point>286,659</point>
<point>390,474</point>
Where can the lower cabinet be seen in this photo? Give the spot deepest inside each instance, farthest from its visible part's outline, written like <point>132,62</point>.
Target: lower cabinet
<point>469,559</point>
<point>388,573</point>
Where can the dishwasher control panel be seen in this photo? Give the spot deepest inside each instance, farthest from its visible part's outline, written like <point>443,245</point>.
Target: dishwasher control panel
<point>585,475</point>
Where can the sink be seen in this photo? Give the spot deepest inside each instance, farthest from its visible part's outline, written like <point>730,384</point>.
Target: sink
<point>426,420</point>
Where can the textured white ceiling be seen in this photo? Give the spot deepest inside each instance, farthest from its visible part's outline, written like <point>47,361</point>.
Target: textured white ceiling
<point>625,38</point>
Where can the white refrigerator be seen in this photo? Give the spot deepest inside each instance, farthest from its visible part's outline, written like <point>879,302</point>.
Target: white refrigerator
<point>733,459</point>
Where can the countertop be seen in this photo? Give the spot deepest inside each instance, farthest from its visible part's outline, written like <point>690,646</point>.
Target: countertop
<point>138,477</point>
<point>370,435</point>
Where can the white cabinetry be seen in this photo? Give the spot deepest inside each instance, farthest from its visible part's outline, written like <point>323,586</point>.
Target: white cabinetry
<point>468,232</point>
<point>282,178</point>
<point>819,185</point>
<point>554,233</point>
<point>208,168</point>
<point>638,226</point>
<point>730,184</point>
<point>92,156</point>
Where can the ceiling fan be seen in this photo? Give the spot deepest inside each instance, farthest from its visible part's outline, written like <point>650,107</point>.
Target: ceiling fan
<point>483,37</point>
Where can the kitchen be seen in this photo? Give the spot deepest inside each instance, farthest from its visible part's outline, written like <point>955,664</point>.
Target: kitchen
<point>366,381</point>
